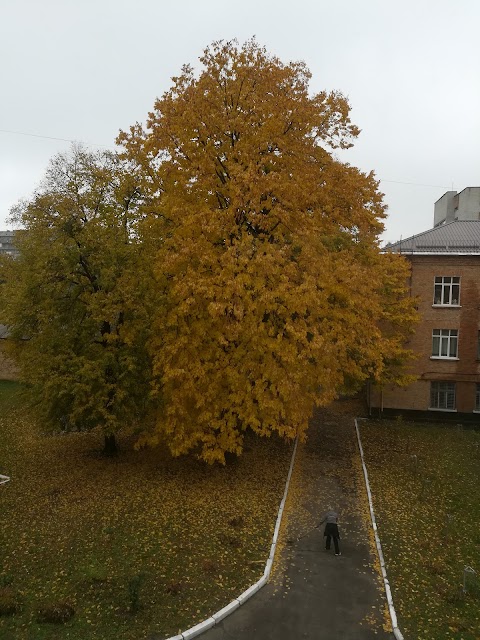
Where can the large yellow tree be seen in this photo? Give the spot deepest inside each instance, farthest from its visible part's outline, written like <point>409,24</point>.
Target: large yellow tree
<point>267,252</point>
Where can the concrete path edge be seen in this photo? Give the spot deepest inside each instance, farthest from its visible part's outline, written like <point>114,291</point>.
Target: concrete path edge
<point>199,628</point>
<point>396,631</point>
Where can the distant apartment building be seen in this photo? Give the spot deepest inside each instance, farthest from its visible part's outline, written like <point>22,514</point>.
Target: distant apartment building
<point>7,245</point>
<point>8,370</point>
<point>445,278</point>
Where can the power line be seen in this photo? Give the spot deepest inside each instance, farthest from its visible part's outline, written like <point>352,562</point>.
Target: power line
<point>416,184</point>
<point>36,135</point>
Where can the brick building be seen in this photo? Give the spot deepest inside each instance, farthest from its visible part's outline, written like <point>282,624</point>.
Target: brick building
<point>445,278</point>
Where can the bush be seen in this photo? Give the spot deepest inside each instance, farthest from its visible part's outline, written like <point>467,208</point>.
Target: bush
<point>56,613</point>
<point>8,602</point>
<point>134,585</point>
<point>5,580</point>
<point>237,522</point>
<point>209,566</point>
<point>174,588</point>
<point>94,572</point>
<point>230,540</point>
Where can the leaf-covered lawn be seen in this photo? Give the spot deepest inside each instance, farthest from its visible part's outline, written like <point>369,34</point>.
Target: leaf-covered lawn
<point>97,533</point>
<point>426,490</point>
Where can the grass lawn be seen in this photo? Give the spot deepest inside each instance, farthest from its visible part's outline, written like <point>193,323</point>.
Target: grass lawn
<point>425,481</point>
<point>138,546</point>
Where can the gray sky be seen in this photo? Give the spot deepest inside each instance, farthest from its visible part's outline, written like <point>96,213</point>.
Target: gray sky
<point>83,69</point>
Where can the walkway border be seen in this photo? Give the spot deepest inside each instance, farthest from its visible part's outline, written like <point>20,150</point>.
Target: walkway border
<point>246,595</point>
<point>396,631</point>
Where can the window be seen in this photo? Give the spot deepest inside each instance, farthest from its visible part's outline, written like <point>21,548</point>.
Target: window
<point>447,290</point>
<point>442,395</point>
<point>477,398</point>
<point>444,343</point>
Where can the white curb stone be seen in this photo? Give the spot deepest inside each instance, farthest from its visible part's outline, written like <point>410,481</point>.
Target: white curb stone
<point>272,551</point>
<point>198,629</point>
<point>226,611</point>
<point>246,595</point>
<point>393,616</point>
<point>268,568</point>
<point>230,608</point>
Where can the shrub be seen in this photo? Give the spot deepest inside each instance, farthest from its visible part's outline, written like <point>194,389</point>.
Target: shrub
<point>6,580</point>
<point>435,567</point>
<point>8,602</point>
<point>174,587</point>
<point>56,613</point>
<point>94,572</point>
<point>237,522</point>
<point>134,585</point>
<point>209,566</point>
<point>230,540</point>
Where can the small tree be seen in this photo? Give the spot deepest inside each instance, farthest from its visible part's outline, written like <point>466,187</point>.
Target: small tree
<point>268,253</point>
<point>77,313</point>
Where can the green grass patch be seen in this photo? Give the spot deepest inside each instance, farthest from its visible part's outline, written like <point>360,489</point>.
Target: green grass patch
<point>138,546</point>
<point>425,483</point>
<point>9,393</point>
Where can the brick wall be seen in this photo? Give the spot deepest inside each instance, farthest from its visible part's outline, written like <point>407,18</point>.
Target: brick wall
<point>464,371</point>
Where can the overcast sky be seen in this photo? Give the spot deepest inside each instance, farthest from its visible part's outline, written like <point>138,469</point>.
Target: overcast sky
<point>83,69</point>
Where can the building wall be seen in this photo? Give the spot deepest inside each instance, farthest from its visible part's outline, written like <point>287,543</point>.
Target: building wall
<point>469,204</point>
<point>444,208</point>
<point>416,397</point>
<point>7,243</point>
<point>465,370</point>
<point>457,206</point>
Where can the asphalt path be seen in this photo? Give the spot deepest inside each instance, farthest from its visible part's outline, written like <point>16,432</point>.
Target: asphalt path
<point>313,593</point>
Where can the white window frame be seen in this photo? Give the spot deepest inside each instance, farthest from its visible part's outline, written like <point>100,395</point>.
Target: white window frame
<point>443,396</point>
<point>444,344</point>
<point>443,291</point>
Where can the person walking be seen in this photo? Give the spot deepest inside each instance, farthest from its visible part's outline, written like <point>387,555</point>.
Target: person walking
<point>331,530</point>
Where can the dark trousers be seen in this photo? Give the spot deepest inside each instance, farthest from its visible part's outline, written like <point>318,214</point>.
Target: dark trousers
<point>335,542</point>
<point>331,531</point>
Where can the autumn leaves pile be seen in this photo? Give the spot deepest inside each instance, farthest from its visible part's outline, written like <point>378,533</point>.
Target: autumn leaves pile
<point>220,273</point>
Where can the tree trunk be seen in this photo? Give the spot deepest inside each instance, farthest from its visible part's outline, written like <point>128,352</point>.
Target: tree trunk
<point>110,447</point>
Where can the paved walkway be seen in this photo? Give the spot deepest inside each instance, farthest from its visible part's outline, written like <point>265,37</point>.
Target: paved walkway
<point>313,593</point>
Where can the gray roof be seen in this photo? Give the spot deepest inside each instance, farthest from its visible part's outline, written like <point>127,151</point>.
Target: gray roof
<point>459,237</point>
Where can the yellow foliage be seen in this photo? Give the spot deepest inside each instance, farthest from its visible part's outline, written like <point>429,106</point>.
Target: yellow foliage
<point>222,274</point>
<point>267,251</point>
